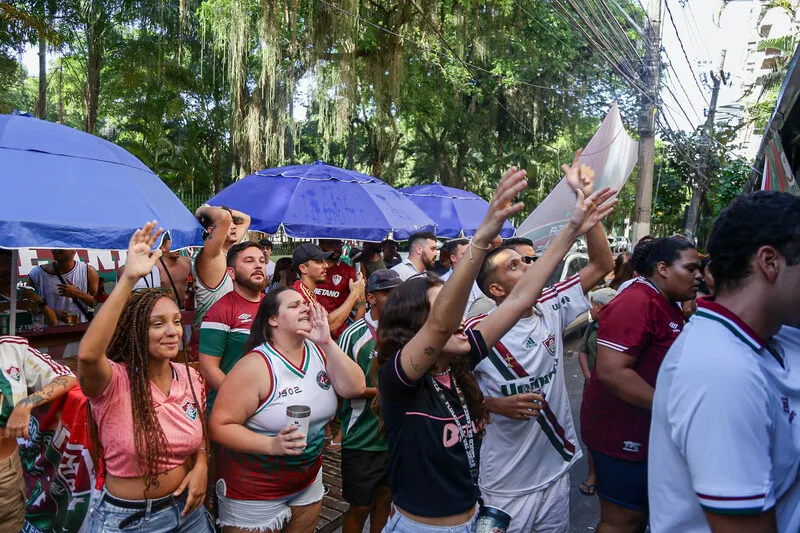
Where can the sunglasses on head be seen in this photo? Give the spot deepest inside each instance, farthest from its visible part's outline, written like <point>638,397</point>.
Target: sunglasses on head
<point>528,259</point>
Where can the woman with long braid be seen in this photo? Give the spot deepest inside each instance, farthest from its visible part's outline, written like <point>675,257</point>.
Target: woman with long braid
<point>145,411</point>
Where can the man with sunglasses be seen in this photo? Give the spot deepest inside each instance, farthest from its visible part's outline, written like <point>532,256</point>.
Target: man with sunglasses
<point>523,247</point>
<point>528,449</point>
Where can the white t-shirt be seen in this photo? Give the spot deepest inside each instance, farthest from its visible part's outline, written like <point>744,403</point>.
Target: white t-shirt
<point>150,281</point>
<point>519,457</point>
<point>406,270</point>
<point>270,269</point>
<point>474,293</point>
<point>723,436</point>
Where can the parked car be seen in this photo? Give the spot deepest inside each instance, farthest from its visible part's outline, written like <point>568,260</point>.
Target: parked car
<point>618,244</point>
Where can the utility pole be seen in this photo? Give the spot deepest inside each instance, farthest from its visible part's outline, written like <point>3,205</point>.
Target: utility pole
<point>647,127</point>
<point>701,178</point>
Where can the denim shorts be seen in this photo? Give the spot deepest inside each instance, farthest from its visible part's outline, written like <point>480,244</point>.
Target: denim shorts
<point>621,482</point>
<point>399,523</point>
<point>106,517</point>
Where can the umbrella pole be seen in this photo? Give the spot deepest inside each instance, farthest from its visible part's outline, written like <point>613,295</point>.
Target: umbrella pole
<point>12,314</point>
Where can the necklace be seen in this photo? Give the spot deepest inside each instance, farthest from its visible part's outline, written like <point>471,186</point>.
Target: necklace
<point>437,374</point>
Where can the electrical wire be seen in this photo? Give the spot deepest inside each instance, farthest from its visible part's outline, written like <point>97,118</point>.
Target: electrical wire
<point>685,55</point>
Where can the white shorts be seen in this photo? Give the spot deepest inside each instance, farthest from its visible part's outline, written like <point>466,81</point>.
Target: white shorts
<point>264,515</point>
<point>543,511</point>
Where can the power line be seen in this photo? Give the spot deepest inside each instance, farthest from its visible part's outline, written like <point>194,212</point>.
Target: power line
<point>685,55</point>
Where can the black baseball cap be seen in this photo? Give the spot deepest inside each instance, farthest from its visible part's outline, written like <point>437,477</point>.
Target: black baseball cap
<point>308,252</point>
<point>383,280</point>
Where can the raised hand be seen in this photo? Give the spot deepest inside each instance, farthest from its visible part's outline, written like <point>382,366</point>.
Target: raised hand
<point>141,259</point>
<point>320,330</point>
<point>588,212</point>
<point>579,177</point>
<point>501,208</point>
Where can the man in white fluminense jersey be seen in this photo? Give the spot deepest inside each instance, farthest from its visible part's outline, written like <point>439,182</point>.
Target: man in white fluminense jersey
<point>527,451</point>
<point>724,441</point>
<point>724,437</point>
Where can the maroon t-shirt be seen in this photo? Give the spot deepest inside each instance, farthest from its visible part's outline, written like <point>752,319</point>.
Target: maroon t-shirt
<point>642,323</point>
<point>333,292</point>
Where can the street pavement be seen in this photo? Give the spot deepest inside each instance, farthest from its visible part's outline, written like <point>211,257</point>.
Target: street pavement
<point>584,510</point>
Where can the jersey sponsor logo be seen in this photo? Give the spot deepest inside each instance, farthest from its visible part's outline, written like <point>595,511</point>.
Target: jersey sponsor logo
<point>630,446</point>
<point>323,380</point>
<point>326,292</point>
<point>529,343</point>
<point>13,372</point>
<point>190,409</point>
<point>534,383</point>
<point>246,317</point>
<point>550,344</point>
<point>289,391</point>
<point>336,279</point>
<point>675,327</point>
<point>373,354</point>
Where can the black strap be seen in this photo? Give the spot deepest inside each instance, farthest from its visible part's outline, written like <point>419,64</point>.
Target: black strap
<point>81,307</point>
<point>174,288</point>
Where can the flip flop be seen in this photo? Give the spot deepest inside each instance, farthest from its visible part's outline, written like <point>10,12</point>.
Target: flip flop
<point>587,490</point>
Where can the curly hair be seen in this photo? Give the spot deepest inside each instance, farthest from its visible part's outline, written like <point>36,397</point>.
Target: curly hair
<point>763,218</point>
<point>647,255</point>
<point>403,316</point>
<point>129,347</point>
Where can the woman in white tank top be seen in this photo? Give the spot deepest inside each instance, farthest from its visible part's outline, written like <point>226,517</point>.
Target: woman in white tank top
<point>269,473</point>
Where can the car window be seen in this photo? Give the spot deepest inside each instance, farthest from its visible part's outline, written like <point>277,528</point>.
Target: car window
<point>556,277</point>
<point>574,267</point>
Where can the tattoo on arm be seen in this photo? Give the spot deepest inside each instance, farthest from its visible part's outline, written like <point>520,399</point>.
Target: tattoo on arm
<point>43,396</point>
<point>429,353</point>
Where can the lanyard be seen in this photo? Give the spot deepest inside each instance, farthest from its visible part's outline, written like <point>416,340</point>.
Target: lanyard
<point>467,435</point>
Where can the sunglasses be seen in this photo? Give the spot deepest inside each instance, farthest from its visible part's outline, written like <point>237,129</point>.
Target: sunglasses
<point>528,259</point>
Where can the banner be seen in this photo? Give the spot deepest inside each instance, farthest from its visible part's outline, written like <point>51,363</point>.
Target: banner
<point>58,466</point>
<point>777,171</point>
<point>611,153</point>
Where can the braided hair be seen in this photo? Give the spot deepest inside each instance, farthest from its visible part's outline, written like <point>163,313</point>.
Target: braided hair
<point>129,347</point>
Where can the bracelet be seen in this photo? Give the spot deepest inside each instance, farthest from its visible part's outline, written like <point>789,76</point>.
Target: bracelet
<point>471,245</point>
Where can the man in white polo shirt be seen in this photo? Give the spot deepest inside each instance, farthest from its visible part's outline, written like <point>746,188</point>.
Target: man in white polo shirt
<point>724,450</point>
<point>531,443</point>
<point>421,255</point>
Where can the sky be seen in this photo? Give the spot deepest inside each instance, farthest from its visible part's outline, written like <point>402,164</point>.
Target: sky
<point>704,35</point>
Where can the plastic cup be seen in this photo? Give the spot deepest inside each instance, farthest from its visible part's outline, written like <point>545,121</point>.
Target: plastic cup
<point>492,520</point>
<point>38,322</point>
<point>300,416</point>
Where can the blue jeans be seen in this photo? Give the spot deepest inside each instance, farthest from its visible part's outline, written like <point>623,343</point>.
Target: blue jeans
<point>105,517</point>
<point>399,523</point>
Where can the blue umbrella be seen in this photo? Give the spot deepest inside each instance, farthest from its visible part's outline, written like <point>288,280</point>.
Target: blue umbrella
<point>321,201</point>
<point>63,188</point>
<point>457,213</point>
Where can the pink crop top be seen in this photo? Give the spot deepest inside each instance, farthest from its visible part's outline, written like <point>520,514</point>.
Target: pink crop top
<point>178,414</point>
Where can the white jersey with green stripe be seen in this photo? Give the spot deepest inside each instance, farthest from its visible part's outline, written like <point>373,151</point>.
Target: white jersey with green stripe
<point>723,438</point>
<point>307,384</point>
<point>519,457</point>
<point>205,297</point>
<point>361,427</point>
<point>23,369</point>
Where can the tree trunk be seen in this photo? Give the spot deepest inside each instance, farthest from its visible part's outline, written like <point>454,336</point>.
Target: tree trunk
<point>94,63</point>
<point>41,101</point>
<point>61,95</point>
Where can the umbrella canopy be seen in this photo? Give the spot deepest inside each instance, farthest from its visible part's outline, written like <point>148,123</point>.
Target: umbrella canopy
<point>456,212</point>
<point>321,201</point>
<point>63,188</point>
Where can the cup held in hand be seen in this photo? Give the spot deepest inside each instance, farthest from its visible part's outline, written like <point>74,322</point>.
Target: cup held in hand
<point>300,416</point>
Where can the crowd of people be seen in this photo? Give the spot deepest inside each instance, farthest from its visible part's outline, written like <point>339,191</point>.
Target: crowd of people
<point>445,371</point>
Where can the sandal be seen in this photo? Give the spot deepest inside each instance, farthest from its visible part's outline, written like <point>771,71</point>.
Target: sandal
<point>587,490</point>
